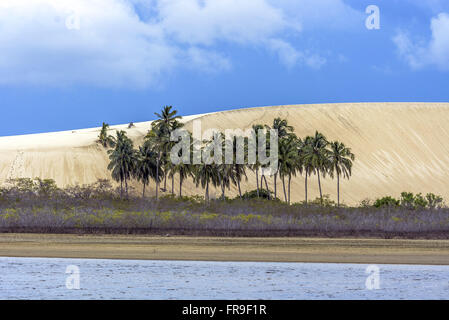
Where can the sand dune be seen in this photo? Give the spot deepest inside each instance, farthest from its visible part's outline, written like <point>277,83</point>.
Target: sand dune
<point>399,146</point>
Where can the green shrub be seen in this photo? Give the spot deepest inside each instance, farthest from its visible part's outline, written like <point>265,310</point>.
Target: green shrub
<point>327,202</point>
<point>407,200</point>
<point>386,202</point>
<point>263,193</point>
<point>420,202</point>
<point>434,201</point>
<point>412,202</point>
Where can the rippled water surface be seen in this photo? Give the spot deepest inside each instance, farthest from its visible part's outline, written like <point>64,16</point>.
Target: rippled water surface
<point>43,278</point>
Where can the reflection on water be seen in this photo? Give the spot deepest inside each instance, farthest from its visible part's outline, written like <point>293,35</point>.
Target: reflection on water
<point>43,278</point>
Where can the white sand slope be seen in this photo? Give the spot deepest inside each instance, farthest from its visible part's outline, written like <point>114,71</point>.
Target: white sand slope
<point>398,147</point>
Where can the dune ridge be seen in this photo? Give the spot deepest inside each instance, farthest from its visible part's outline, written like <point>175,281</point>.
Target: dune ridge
<point>398,147</point>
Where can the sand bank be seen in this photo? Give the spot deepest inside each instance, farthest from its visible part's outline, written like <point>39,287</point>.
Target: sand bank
<point>370,251</point>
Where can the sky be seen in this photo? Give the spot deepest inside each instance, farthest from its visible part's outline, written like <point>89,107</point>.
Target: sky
<point>71,64</point>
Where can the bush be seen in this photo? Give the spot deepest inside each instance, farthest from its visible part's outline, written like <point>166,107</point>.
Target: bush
<point>411,201</point>
<point>365,203</point>
<point>386,202</point>
<point>327,202</point>
<point>434,201</point>
<point>253,194</point>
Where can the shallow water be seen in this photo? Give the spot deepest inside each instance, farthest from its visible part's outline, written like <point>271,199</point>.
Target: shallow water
<point>44,278</point>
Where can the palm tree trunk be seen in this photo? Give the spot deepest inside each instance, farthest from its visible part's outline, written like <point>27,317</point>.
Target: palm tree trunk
<point>121,188</point>
<point>289,183</point>
<point>157,176</point>
<point>207,191</point>
<point>240,190</point>
<point>126,188</point>
<point>306,186</point>
<point>257,181</point>
<point>165,181</point>
<point>266,185</point>
<point>180,185</point>
<point>143,192</point>
<point>173,184</point>
<point>283,186</point>
<point>261,181</point>
<point>275,185</point>
<point>338,190</point>
<point>223,190</point>
<point>319,186</point>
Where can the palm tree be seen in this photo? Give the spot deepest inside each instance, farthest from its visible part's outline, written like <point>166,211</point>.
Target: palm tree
<point>264,167</point>
<point>167,122</point>
<point>105,139</point>
<point>283,130</point>
<point>281,125</point>
<point>146,165</point>
<point>255,144</point>
<point>205,174</point>
<point>157,142</point>
<point>340,162</point>
<point>316,156</point>
<point>288,161</point>
<point>184,170</point>
<point>239,169</point>
<point>224,171</point>
<point>304,164</point>
<point>123,160</point>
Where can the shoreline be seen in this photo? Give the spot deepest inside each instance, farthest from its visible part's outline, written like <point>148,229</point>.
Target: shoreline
<point>251,249</point>
<point>230,233</point>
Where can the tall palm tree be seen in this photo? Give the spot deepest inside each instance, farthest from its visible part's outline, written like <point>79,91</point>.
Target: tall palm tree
<point>157,142</point>
<point>104,138</point>
<point>239,169</point>
<point>283,130</point>
<point>122,160</point>
<point>282,127</point>
<point>224,171</point>
<point>316,156</point>
<point>255,144</point>
<point>288,161</point>
<point>205,174</point>
<point>146,165</point>
<point>265,167</point>
<point>167,121</point>
<point>184,170</point>
<point>304,163</point>
<point>340,162</point>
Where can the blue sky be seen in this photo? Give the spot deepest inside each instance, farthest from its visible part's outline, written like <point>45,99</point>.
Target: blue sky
<point>69,64</point>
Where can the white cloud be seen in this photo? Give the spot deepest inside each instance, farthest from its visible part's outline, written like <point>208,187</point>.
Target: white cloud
<point>206,60</point>
<point>111,48</point>
<point>290,57</point>
<point>322,14</point>
<point>107,42</point>
<point>205,22</point>
<point>434,52</point>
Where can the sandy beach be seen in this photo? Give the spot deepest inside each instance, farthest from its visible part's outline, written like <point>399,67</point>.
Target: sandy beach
<point>391,251</point>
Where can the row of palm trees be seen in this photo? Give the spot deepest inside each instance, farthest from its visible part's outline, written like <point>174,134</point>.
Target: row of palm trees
<point>151,161</point>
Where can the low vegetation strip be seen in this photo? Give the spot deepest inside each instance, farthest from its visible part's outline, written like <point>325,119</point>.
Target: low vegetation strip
<point>44,208</point>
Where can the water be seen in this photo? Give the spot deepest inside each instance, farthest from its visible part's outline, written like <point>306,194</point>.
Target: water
<point>44,278</point>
